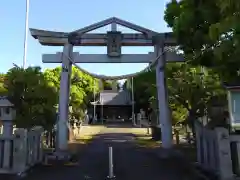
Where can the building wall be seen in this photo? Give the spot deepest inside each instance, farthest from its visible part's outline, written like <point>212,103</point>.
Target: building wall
<point>112,112</point>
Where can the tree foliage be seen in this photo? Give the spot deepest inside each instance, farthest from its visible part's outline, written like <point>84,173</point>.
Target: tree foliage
<point>110,84</point>
<point>81,90</point>
<point>3,90</point>
<point>208,33</point>
<point>34,100</point>
<point>35,94</point>
<point>190,89</point>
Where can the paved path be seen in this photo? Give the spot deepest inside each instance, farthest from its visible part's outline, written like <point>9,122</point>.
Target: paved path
<point>131,162</point>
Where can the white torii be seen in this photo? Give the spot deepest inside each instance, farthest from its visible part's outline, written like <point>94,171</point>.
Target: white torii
<point>113,40</point>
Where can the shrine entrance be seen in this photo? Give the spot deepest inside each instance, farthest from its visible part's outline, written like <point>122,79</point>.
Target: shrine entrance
<point>113,40</point>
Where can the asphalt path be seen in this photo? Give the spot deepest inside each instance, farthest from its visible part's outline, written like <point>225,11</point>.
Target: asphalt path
<point>131,162</point>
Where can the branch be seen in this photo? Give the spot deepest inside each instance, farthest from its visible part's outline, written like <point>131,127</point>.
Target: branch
<point>182,101</point>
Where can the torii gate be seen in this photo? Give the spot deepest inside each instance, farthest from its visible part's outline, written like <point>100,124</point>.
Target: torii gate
<point>113,40</point>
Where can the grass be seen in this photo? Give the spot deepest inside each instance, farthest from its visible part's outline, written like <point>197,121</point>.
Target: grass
<point>84,140</point>
<point>86,135</point>
<point>189,151</point>
<point>147,142</point>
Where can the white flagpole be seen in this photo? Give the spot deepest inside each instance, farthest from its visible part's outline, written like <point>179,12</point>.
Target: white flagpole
<point>94,99</point>
<point>133,106</point>
<point>26,35</point>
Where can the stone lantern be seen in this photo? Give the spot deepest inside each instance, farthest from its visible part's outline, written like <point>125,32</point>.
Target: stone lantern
<point>7,115</point>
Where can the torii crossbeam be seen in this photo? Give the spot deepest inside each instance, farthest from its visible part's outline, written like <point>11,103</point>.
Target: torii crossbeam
<point>145,37</point>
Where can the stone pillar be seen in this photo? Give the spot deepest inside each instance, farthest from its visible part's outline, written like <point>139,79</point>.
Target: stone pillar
<point>164,113</point>
<point>62,124</point>
<point>7,134</point>
<point>20,147</point>
<point>7,128</point>
<point>223,153</point>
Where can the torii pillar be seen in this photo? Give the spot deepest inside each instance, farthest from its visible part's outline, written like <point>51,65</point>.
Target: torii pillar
<point>165,122</point>
<point>62,124</point>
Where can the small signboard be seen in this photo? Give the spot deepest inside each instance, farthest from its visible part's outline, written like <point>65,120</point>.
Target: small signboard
<point>234,105</point>
<point>114,43</point>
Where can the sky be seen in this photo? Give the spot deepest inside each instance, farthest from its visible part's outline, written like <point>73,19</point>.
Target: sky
<point>70,15</point>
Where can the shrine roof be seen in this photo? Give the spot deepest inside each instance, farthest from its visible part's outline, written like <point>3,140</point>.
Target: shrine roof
<point>111,97</point>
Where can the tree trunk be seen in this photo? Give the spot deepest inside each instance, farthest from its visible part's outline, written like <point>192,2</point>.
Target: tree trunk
<point>156,131</point>
<point>191,121</point>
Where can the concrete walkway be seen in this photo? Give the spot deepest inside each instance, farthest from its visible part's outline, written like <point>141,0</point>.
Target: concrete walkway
<point>130,161</point>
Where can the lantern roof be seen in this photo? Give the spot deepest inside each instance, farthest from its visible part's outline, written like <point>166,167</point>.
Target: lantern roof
<point>4,102</point>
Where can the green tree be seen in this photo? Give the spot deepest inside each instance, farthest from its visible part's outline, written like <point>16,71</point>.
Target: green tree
<point>208,33</point>
<point>191,90</point>
<point>3,90</point>
<point>145,96</point>
<point>116,84</point>
<point>81,90</point>
<point>144,86</point>
<point>110,84</point>
<point>35,101</point>
<point>35,94</point>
